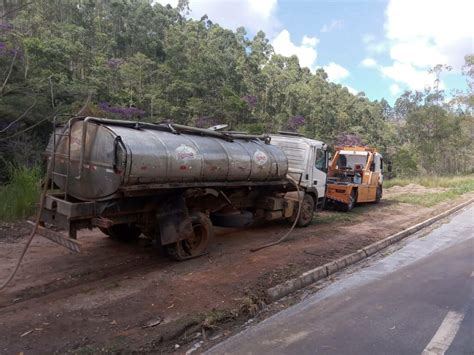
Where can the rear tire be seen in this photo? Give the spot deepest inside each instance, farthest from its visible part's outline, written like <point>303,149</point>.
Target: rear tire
<point>346,207</point>
<point>306,213</point>
<point>195,245</point>
<point>378,195</point>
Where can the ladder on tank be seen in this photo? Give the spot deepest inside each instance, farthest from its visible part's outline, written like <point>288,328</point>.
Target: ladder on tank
<point>55,154</point>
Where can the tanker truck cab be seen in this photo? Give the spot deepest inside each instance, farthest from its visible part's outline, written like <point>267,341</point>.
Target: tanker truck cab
<point>307,163</point>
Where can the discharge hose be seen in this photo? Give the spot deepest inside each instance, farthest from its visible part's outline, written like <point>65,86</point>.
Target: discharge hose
<point>283,238</point>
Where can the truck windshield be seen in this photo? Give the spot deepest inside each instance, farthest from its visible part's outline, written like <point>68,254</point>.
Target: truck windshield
<point>352,161</point>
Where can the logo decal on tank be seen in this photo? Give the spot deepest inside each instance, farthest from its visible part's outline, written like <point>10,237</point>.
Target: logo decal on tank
<point>260,157</point>
<point>185,152</point>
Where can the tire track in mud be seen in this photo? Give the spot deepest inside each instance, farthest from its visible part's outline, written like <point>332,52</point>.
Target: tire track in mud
<point>67,286</point>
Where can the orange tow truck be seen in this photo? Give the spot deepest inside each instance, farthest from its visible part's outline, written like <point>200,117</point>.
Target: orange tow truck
<point>355,175</point>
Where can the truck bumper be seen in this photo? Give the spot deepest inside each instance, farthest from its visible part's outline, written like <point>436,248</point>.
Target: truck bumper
<point>340,193</point>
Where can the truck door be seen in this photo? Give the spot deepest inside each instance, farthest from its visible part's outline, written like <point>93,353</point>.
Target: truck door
<point>320,171</point>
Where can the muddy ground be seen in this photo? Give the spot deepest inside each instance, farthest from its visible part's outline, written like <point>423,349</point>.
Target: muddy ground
<point>128,297</point>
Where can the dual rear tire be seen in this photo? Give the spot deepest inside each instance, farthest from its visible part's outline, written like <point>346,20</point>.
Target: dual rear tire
<point>197,243</point>
<point>346,207</point>
<point>306,213</point>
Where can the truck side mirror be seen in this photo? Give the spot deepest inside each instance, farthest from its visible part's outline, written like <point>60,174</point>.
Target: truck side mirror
<point>328,159</point>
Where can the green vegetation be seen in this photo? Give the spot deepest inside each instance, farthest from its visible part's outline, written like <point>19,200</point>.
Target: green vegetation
<point>144,61</point>
<point>332,217</point>
<point>456,186</point>
<point>341,217</point>
<point>19,195</point>
<point>433,181</point>
<point>139,60</point>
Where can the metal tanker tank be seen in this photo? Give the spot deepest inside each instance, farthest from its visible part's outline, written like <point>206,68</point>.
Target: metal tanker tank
<point>123,156</point>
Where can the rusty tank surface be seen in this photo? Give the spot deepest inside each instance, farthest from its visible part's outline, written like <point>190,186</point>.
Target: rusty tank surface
<point>107,157</point>
<point>172,183</point>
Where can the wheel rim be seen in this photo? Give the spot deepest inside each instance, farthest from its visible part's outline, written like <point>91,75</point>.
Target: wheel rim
<point>306,210</point>
<point>194,243</point>
<point>196,238</point>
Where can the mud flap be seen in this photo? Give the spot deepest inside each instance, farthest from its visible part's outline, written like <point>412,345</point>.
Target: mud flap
<point>56,237</point>
<point>173,220</point>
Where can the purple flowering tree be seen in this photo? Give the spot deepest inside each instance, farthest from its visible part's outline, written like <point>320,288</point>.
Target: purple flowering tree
<point>294,123</point>
<point>6,27</point>
<point>115,63</point>
<point>250,100</point>
<point>205,122</point>
<point>349,139</point>
<point>122,112</point>
<point>7,51</point>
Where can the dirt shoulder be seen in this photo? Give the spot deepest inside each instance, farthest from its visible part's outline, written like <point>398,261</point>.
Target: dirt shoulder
<point>129,297</point>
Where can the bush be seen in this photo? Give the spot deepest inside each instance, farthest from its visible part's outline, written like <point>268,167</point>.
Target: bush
<point>18,197</point>
<point>404,163</point>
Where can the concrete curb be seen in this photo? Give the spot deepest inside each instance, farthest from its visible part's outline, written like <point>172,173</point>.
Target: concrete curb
<point>321,272</point>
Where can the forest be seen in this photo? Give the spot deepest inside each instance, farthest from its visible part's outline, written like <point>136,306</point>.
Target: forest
<point>131,59</point>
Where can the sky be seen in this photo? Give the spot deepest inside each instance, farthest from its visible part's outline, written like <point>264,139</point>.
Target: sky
<point>379,47</point>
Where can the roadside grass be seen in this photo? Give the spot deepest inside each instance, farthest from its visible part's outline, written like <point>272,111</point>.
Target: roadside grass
<point>340,217</point>
<point>456,185</point>
<point>18,197</point>
<point>431,181</point>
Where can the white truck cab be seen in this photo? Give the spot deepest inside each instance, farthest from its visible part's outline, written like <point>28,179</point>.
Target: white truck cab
<point>307,161</point>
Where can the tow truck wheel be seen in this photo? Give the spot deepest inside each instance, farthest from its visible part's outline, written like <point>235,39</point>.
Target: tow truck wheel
<point>124,232</point>
<point>197,243</point>
<point>346,207</point>
<point>307,211</point>
<point>378,195</point>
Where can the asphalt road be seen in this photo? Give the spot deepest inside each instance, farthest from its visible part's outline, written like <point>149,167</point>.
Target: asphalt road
<point>417,300</point>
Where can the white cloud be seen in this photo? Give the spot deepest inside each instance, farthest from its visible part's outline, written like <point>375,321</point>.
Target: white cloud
<point>420,34</point>
<point>333,25</point>
<point>376,47</point>
<point>417,52</point>
<point>405,73</point>
<point>424,33</point>
<point>369,63</point>
<point>352,90</point>
<point>372,45</point>
<point>336,72</point>
<point>368,38</point>
<point>309,41</point>
<point>394,89</point>
<point>306,52</point>
<point>173,3</point>
<point>253,15</point>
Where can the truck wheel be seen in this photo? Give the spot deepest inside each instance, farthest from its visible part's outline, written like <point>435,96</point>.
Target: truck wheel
<point>124,232</point>
<point>346,207</point>
<point>196,244</point>
<point>307,211</point>
<point>378,195</point>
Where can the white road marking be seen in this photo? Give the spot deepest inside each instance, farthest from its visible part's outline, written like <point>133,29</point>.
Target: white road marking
<point>445,334</point>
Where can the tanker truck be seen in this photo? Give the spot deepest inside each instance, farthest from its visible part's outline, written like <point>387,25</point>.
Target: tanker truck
<point>172,183</point>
